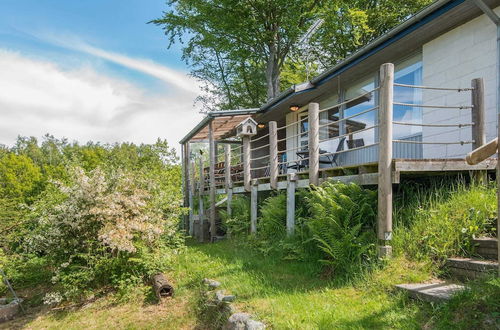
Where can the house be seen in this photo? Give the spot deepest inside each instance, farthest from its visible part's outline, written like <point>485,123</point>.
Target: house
<point>416,100</point>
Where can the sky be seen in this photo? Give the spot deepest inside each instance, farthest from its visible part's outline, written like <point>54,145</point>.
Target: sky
<point>92,70</point>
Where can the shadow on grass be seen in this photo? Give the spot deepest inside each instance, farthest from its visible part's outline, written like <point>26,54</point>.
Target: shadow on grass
<point>271,272</point>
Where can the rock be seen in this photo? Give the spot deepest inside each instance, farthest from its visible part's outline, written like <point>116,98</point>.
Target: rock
<point>237,321</point>
<point>211,283</point>
<point>222,297</point>
<point>10,310</point>
<point>243,321</point>
<point>255,325</point>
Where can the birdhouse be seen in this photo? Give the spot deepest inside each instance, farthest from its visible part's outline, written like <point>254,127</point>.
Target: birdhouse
<point>247,127</point>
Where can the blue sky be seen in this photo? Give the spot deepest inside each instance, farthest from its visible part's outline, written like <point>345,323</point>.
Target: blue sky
<point>93,46</point>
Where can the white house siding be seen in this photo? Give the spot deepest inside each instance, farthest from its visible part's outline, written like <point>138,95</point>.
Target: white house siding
<point>453,60</point>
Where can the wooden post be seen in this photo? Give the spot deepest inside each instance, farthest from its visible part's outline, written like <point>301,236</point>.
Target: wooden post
<point>185,181</point>
<point>229,201</point>
<point>247,175</point>
<point>273,154</point>
<point>191,193</point>
<point>498,198</point>
<point>313,143</point>
<point>227,166</point>
<point>201,215</point>
<point>477,117</point>
<point>290,203</point>
<point>254,206</point>
<point>384,216</point>
<point>211,148</point>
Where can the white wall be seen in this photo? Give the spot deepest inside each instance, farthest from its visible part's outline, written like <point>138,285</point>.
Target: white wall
<point>453,60</point>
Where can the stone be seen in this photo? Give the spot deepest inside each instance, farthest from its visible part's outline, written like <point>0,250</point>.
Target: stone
<point>211,283</point>
<point>222,297</point>
<point>254,325</point>
<point>432,292</point>
<point>243,321</point>
<point>237,321</point>
<point>10,310</point>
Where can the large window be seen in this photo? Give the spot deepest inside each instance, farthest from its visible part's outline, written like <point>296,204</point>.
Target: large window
<point>408,72</point>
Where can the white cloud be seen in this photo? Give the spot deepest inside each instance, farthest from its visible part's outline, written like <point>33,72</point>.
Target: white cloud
<point>38,97</point>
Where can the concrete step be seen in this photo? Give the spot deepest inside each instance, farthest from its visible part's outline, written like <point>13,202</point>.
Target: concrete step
<point>486,247</point>
<point>431,292</point>
<point>468,269</point>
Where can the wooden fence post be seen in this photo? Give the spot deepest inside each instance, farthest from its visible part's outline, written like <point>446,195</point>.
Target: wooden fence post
<point>212,152</point>
<point>477,118</point>
<point>227,166</point>
<point>313,122</point>
<point>185,180</point>
<point>290,203</point>
<point>273,154</point>
<point>191,197</point>
<point>247,175</point>
<point>201,216</point>
<point>498,198</point>
<point>384,213</point>
<point>254,206</point>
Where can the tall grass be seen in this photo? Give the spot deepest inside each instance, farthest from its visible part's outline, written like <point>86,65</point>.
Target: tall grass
<point>432,222</point>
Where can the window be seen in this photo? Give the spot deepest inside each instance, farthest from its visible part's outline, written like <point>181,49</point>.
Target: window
<point>408,72</point>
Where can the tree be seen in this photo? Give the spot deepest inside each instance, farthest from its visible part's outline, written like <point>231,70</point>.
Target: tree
<point>243,50</point>
<point>230,43</point>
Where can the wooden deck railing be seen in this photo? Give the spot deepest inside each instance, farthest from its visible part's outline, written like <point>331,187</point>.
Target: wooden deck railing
<point>260,158</point>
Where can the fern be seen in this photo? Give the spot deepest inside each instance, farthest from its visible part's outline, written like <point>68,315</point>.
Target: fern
<point>342,224</point>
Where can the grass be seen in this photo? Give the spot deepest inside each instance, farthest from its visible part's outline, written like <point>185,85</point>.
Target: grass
<point>292,294</point>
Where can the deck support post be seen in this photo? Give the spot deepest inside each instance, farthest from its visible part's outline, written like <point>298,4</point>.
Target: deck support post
<point>191,198</point>
<point>290,203</point>
<point>212,152</point>
<point>201,215</point>
<point>498,199</point>
<point>313,123</point>
<point>384,212</point>
<point>254,206</point>
<point>477,118</point>
<point>273,154</point>
<point>229,183</point>
<point>247,175</point>
<point>185,180</point>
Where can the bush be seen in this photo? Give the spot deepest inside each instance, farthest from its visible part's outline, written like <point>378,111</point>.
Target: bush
<point>441,220</point>
<point>342,224</point>
<point>239,223</point>
<point>101,230</point>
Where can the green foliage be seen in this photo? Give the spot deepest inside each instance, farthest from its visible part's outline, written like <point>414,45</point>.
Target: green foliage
<point>19,177</point>
<point>441,220</point>
<point>475,308</point>
<point>245,51</point>
<point>85,217</point>
<point>272,222</point>
<point>239,223</point>
<point>342,223</point>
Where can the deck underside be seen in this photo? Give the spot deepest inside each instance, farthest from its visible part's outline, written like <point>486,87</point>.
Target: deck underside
<point>367,174</point>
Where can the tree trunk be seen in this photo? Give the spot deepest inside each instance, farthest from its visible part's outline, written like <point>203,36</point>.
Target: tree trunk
<point>272,73</point>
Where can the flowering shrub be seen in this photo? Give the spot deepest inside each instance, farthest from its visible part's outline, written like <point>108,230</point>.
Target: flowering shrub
<point>102,228</point>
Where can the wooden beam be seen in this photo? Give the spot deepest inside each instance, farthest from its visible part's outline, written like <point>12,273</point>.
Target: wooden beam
<point>273,154</point>
<point>191,197</point>
<point>478,130</point>
<point>290,204</point>
<point>227,166</point>
<point>440,165</point>
<point>211,149</point>
<point>201,210</point>
<point>247,174</point>
<point>498,198</point>
<point>384,216</point>
<point>185,181</point>
<point>313,122</point>
<point>254,200</point>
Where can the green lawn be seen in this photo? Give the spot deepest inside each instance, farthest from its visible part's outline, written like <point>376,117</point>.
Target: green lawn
<point>283,294</point>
